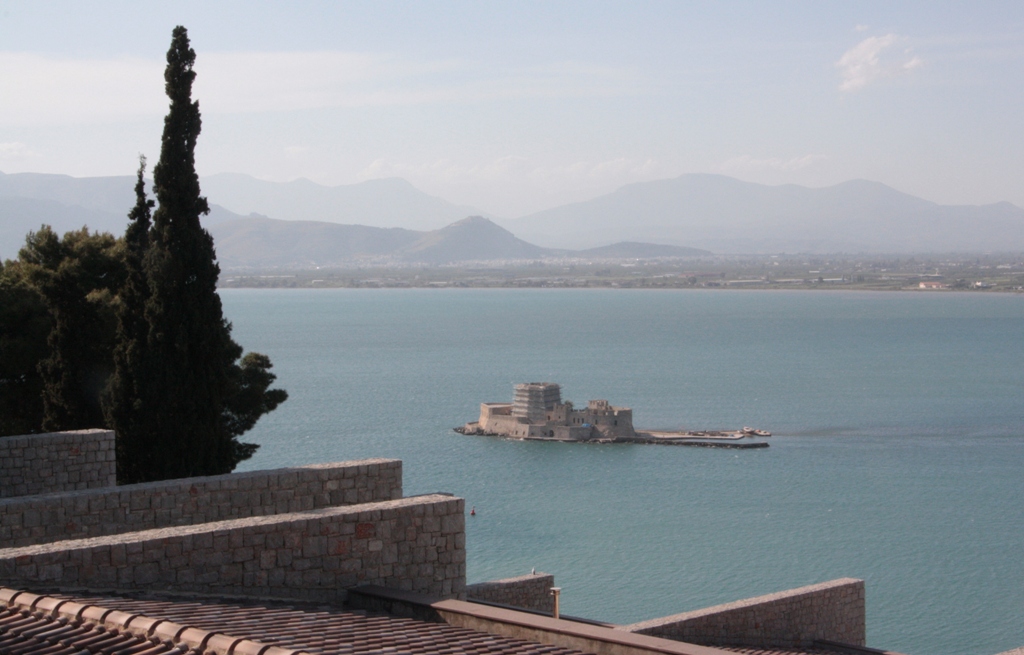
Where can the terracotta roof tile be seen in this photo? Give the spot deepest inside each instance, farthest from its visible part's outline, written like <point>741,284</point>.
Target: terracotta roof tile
<point>27,632</point>
<point>324,630</point>
<point>318,630</point>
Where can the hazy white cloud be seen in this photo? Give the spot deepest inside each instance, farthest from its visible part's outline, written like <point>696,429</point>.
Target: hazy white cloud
<point>44,90</point>
<point>15,150</point>
<point>515,168</point>
<point>47,90</point>
<point>622,168</point>
<point>745,163</point>
<point>861,28</point>
<point>513,185</point>
<point>446,171</point>
<point>873,59</point>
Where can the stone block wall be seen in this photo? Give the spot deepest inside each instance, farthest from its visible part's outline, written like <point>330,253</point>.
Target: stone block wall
<point>532,592</point>
<point>414,544</point>
<point>833,611</point>
<point>56,461</point>
<point>98,512</point>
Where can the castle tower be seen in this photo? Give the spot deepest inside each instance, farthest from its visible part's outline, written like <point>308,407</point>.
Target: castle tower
<point>532,400</point>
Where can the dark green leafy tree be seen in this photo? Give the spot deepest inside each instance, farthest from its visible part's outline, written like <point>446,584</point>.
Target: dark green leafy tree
<point>191,399</point>
<point>24,326</point>
<point>76,277</point>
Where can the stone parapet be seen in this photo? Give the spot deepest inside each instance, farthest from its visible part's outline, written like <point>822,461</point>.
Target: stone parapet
<point>414,544</point>
<point>532,592</point>
<point>585,637</point>
<point>830,611</point>
<point>113,510</point>
<point>56,461</point>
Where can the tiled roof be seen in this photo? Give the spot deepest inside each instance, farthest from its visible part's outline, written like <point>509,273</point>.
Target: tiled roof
<point>91,629</point>
<point>24,632</point>
<point>324,630</point>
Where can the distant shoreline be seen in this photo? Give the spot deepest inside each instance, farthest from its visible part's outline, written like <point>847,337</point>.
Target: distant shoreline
<point>922,273</point>
<point>764,288</point>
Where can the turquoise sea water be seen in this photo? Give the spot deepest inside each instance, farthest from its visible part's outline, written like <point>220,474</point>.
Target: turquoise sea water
<point>898,454</point>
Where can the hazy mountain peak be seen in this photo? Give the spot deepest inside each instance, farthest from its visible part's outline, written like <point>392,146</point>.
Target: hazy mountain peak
<point>475,221</point>
<point>383,202</point>
<point>724,214</point>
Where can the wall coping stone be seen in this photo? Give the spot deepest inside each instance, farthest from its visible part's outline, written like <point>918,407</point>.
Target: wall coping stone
<point>205,479</point>
<point>513,580</point>
<point>586,637</point>
<point>742,604</point>
<point>365,511</point>
<point>67,436</point>
<point>833,611</point>
<point>530,592</point>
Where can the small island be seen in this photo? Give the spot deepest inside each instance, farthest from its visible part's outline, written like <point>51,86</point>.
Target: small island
<point>538,413</point>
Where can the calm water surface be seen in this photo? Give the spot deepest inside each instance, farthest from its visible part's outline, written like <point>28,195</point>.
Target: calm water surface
<point>898,456</point>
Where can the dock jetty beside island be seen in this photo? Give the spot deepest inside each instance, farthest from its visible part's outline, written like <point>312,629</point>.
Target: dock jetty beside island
<point>537,413</point>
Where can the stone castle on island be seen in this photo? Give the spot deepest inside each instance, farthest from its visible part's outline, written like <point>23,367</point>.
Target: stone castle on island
<point>537,412</point>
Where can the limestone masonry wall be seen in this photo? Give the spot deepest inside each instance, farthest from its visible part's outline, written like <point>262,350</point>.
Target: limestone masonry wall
<point>413,544</point>
<point>56,461</point>
<point>98,512</point>
<point>833,611</point>
<point>532,592</point>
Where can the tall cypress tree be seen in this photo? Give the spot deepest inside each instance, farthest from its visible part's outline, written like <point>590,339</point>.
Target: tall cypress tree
<point>122,403</point>
<point>191,399</point>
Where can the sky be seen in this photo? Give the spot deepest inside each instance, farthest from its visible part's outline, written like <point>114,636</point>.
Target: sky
<point>515,107</point>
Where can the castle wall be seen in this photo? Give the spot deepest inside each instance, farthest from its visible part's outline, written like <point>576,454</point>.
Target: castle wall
<point>573,432</point>
<point>413,544</point>
<point>507,425</point>
<point>612,421</point>
<point>56,461</point>
<point>491,411</point>
<point>98,512</point>
<point>833,610</point>
<point>532,592</point>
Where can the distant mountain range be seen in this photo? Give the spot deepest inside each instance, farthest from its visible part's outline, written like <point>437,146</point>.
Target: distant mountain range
<point>390,219</point>
<point>27,200</point>
<point>66,203</point>
<point>390,202</point>
<point>260,242</point>
<point>730,216</point>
